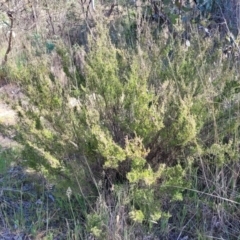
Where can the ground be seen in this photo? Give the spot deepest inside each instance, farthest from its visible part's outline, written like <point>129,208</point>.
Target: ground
<point>7,114</point>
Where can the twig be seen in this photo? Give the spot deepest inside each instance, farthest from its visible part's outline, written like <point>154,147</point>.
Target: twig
<point>229,32</point>
<point>108,14</point>
<point>9,13</point>
<point>50,17</point>
<point>186,225</point>
<point>204,193</point>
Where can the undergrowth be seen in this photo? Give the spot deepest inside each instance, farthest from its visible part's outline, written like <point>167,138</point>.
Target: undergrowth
<point>141,139</point>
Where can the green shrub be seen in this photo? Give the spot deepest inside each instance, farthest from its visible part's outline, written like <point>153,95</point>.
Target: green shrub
<point>140,115</point>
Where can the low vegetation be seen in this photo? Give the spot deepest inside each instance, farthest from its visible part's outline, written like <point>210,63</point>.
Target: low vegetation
<point>127,121</point>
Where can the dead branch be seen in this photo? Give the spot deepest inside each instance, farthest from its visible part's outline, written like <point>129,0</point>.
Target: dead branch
<point>108,14</point>
<point>50,17</point>
<point>10,15</point>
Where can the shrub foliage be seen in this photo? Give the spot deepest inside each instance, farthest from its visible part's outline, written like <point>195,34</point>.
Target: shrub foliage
<point>137,118</point>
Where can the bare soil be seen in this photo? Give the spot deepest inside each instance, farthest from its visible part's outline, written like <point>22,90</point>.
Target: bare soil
<point>8,116</point>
